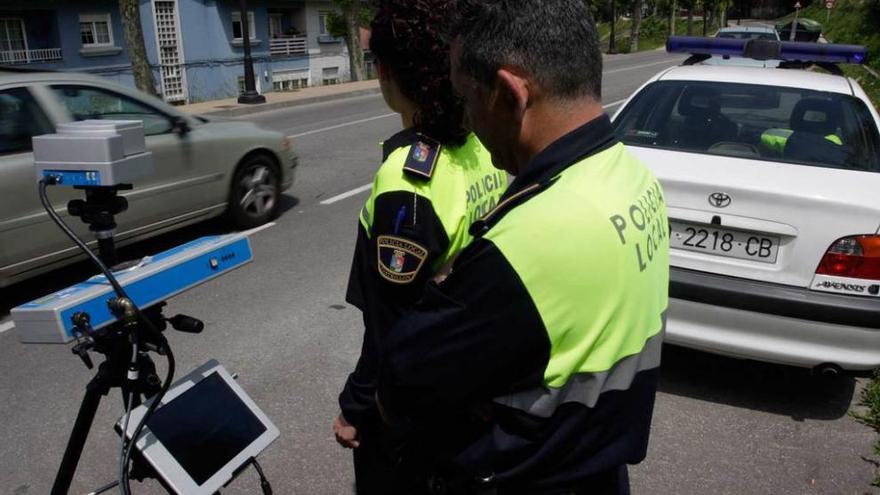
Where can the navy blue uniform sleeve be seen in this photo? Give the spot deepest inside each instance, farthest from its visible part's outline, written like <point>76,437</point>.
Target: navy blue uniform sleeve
<point>476,336</point>
<point>391,265</point>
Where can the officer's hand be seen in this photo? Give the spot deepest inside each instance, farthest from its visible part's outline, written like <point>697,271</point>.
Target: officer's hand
<point>346,434</point>
<point>443,272</point>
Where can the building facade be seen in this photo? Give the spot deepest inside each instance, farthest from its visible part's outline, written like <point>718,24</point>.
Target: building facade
<point>195,47</point>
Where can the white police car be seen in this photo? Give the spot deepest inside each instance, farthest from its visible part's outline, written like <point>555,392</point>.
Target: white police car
<point>772,179</point>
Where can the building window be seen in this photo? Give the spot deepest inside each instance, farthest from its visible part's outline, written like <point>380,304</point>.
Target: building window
<point>12,35</point>
<point>241,85</point>
<point>237,28</point>
<point>330,75</point>
<point>276,25</point>
<point>290,80</point>
<point>323,30</point>
<point>291,84</point>
<point>95,30</point>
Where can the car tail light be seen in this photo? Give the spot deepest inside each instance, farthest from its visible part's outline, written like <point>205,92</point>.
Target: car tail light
<point>853,257</point>
<point>287,144</point>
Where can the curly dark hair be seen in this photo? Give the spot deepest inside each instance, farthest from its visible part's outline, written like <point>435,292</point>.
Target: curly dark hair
<point>408,38</point>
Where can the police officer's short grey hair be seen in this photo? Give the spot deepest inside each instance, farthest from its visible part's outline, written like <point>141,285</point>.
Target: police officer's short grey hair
<point>554,41</point>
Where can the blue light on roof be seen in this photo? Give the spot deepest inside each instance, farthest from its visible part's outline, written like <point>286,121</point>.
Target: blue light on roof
<point>780,50</point>
<point>696,45</point>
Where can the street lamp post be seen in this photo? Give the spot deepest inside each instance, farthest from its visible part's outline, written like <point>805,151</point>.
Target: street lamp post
<point>250,94</point>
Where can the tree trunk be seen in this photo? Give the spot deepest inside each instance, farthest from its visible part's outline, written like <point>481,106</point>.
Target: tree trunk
<point>353,40</point>
<point>134,44</point>
<point>612,43</point>
<point>690,22</point>
<point>712,19</point>
<point>672,18</point>
<point>705,19</point>
<point>634,27</point>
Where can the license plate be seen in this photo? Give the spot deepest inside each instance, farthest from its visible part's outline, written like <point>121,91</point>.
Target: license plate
<point>724,242</point>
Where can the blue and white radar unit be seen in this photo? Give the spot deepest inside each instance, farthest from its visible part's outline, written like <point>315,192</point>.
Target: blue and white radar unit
<point>789,51</point>
<point>156,278</point>
<point>93,153</point>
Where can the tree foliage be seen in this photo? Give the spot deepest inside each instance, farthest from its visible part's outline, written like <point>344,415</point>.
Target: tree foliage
<point>336,22</point>
<point>346,23</point>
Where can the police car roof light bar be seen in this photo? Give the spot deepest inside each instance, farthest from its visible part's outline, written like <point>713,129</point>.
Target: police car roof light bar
<point>792,51</point>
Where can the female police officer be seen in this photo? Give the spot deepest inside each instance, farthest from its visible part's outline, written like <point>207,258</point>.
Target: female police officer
<point>435,180</point>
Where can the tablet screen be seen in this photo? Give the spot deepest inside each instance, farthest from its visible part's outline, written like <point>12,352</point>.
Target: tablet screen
<point>205,427</point>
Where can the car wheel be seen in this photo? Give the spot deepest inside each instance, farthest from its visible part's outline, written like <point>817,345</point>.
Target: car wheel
<point>253,199</point>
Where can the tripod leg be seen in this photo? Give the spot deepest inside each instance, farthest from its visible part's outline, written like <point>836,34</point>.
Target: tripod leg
<point>77,441</point>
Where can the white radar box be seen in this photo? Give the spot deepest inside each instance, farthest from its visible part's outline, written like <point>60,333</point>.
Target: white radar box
<point>93,153</point>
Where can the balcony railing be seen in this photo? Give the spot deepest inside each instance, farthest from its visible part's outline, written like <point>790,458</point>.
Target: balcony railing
<point>29,56</point>
<point>283,46</point>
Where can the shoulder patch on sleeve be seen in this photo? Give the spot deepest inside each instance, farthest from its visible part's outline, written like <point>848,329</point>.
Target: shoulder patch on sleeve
<point>399,259</point>
<point>422,158</point>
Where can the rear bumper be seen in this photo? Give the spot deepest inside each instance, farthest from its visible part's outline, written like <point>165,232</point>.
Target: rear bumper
<point>772,299</point>
<point>768,322</point>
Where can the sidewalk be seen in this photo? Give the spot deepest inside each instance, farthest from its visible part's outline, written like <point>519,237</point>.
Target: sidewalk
<point>277,99</point>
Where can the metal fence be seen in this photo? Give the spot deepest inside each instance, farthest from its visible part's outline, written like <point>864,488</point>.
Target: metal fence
<point>296,45</point>
<point>29,56</point>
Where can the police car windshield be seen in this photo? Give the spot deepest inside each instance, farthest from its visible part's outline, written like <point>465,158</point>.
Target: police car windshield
<point>748,35</point>
<point>757,122</point>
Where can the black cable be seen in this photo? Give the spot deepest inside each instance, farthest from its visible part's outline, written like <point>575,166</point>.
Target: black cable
<point>120,292</point>
<point>44,198</point>
<point>264,483</point>
<point>128,404</point>
<point>124,482</point>
<point>105,488</point>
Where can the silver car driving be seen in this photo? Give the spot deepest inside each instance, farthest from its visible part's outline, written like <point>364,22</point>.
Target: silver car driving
<point>203,168</point>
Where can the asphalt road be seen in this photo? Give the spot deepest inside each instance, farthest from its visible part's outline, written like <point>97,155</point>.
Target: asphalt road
<point>720,426</point>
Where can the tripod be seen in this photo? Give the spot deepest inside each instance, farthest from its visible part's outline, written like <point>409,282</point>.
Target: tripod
<point>134,375</point>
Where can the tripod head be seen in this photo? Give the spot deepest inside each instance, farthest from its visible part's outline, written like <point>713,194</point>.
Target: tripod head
<point>99,211</point>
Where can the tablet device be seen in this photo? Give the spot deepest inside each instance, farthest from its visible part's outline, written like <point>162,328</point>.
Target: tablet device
<point>205,429</point>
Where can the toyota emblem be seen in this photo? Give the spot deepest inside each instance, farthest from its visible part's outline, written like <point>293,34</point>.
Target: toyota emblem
<point>719,200</point>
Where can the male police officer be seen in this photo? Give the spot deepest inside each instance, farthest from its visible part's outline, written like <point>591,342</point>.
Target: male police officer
<point>532,368</point>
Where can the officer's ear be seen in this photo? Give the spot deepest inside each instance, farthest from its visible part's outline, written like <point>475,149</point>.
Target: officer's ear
<point>511,85</point>
<point>382,69</point>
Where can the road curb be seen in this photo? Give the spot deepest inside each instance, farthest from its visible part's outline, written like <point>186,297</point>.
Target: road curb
<point>265,107</point>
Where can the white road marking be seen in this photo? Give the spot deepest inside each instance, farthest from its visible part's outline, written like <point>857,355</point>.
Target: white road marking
<point>386,115</point>
<point>340,197</point>
<point>340,126</point>
<point>258,229</point>
<point>6,326</point>
<point>614,103</point>
<point>366,187</point>
<point>634,67</point>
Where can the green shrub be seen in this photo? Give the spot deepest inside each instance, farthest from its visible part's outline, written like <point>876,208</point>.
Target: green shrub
<point>851,22</point>
<point>870,415</point>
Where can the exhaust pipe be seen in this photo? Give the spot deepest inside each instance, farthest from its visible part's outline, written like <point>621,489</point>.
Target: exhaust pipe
<point>827,370</point>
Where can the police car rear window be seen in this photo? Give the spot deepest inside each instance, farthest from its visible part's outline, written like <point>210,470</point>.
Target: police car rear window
<point>747,35</point>
<point>757,122</point>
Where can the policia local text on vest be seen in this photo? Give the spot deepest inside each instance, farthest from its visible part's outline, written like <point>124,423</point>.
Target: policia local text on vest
<point>534,365</point>
<point>424,198</point>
